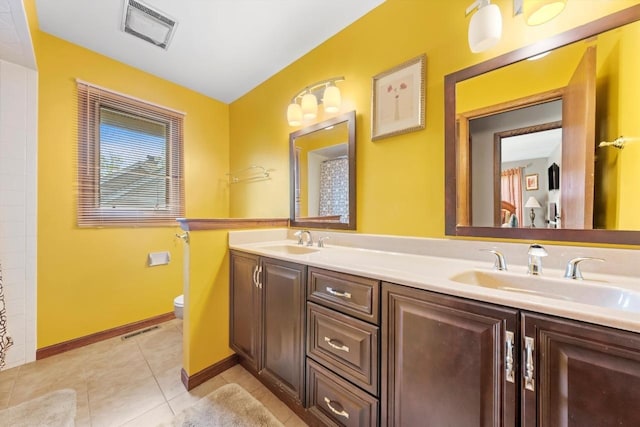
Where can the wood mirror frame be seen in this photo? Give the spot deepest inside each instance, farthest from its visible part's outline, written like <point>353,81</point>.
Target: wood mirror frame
<point>350,119</point>
<point>452,228</point>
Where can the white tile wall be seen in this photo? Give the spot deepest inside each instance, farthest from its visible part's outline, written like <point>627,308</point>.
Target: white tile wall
<point>18,201</point>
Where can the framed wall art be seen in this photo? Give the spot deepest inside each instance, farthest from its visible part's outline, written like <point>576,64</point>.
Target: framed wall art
<point>397,104</point>
<point>531,182</point>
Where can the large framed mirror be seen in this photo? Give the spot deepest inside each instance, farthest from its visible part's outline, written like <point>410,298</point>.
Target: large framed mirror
<point>323,174</point>
<point>524,135</point>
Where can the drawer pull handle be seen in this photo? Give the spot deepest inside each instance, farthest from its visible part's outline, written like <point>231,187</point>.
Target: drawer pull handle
<point>336,346</point>
<point>529,381</point>
<point>342,413</point>
<point>339,293</point>
<point>508,363</point>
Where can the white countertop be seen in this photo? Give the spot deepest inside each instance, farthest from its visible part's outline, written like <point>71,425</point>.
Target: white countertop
<point>431,264</point>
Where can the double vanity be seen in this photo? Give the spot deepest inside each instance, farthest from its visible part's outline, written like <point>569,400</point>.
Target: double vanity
<point>367,330</point>
<point>380,330</point>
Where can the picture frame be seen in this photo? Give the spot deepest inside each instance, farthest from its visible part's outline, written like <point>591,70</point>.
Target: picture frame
<point>531,182</point>
<point>398,97</point>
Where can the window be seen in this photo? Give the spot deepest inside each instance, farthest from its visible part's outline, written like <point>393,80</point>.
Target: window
<point>130,162</point>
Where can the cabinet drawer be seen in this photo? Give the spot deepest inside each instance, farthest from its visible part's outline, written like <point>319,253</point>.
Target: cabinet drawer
<point>346,345</point>
<point>336,401</point>
<point>353,295</point>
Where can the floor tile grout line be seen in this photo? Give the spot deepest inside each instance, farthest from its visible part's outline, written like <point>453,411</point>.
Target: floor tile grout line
<point>164,396</point>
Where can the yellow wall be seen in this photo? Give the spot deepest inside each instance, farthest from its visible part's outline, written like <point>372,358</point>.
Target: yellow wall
<point>616,204</point>
<point>94,279</point>
<point>629,126</point>
<point>206,325</point>
<point>90,280</point>
<point>400,179</point>
<point>520,80</point>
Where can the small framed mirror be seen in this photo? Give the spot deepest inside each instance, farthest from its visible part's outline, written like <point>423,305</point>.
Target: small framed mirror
<point>323,174</point>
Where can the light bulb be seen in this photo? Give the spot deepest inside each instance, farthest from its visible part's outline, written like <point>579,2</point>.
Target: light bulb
<point>309,106</point>
<point>485,28</point>
<point>294,114</point>
<point>539,12</point>
<point>332,99</point>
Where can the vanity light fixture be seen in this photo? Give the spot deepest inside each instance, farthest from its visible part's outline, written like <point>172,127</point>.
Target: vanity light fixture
<point>485,28</point>
<point>304,105</point>
<point>537,12</point>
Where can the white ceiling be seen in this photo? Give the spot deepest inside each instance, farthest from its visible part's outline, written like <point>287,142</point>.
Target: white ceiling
<point>536,145</point>
<point>15,40</point>
<point>221,48</point>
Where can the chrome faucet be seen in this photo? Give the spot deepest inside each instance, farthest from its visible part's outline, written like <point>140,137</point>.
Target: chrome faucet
<point>300,235</point>
<point>536,253</point>
<point>573,268</point>
<point>321,241</point>
<point>500,263</point>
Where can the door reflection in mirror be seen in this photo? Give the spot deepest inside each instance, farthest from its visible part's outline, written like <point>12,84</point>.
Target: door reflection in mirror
<point>530,147</point>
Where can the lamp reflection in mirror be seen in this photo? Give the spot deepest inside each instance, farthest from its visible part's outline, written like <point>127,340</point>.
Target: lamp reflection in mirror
<point>485,28</point>
<point>537,12</point>
<point>532,203</point>
<point>304,105</point>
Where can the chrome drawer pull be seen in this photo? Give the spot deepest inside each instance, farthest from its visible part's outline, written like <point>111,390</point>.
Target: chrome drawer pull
<point>342,413</point>
<point>508,362</point>
<point>529,381</point>
<point>336,346</point>
<point>339,293</point>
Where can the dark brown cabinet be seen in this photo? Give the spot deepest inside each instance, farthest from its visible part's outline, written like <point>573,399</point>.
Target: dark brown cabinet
<point>283,325</point>
<point>245,308</point>
<point>268,320</point>
<point>343,348</point>
<point>393,355</point>
<point>443,360</point>
<point>582,375</point>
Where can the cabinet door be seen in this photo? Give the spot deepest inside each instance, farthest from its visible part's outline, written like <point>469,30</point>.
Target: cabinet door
<point>245,303</point>
<point>584,375</point>
<point>283,287</point>
<point>444,361</point>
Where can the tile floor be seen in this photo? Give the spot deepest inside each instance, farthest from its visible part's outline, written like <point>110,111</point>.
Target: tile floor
<point>133,382</point>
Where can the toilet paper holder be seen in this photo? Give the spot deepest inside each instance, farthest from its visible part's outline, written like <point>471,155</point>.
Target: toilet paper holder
<point>158,258</point>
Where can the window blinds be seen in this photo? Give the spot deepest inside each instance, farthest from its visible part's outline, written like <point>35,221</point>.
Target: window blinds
<point>130,160</point>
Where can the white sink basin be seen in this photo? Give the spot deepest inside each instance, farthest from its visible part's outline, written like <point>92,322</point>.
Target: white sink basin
<point>580,291</point>
<point>291,249</point>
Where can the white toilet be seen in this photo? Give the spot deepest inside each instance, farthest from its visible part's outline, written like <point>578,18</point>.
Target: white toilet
<point>178,306</point>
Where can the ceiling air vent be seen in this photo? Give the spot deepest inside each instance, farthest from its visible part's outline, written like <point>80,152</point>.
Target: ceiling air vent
<point>147,23</point>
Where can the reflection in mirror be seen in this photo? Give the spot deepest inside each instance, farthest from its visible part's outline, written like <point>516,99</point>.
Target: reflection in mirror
<point>502,159</point>
<point>323,174</point>
<point>586,75</point>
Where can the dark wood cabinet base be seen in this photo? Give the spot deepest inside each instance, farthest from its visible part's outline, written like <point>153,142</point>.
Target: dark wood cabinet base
<point>286,398</point>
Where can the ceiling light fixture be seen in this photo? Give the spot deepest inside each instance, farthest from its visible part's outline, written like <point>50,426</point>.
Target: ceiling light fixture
<point>326,91</point>
<point>147,23</point>
<point>537,12</point>
<point>485,28</point>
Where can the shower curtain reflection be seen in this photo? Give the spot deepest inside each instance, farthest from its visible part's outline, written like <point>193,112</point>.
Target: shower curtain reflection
<point>334,188</point>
